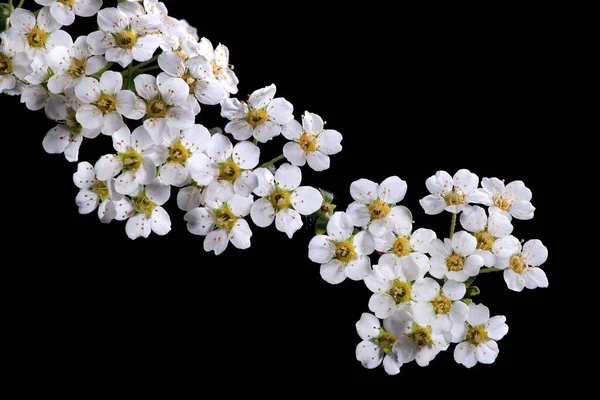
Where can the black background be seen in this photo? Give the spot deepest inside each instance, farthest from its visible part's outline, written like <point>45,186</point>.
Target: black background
<point>411,94</point>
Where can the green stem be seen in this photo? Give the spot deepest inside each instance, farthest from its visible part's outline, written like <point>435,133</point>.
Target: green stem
<point>486,270</point>
<point>143,64</point>
<point>152,68</point>
<point>273,161</point>
<point>20,3</point>
<point>129,77</point>
<point>452,225</point>
<point>255,141</point>
<point>98,74</point>
<point>10,5</point>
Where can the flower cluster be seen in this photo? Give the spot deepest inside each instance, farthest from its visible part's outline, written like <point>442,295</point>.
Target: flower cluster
<point>104,83</point>
<point>423,286</point>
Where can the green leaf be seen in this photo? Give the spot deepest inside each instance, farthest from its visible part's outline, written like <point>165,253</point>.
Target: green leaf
<point>321,224</point>
<point>470,281</point>
<point>467,301</point>
<point>327,196</point>
<point>473,291</point>
<point>215,130</point>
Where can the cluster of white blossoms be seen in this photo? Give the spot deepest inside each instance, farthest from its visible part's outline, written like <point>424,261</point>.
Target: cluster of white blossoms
<point>142,78</point>
<point>423,286</point>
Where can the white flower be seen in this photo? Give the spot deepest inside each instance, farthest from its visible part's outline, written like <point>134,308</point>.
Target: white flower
<point>36,95</point>
<point>104,102</point>
<point>439,307</point>
<point>132,161</point>
<point>341,253</point>
<point>165,104</point>
<point>221,223</point>
<point>262,116</point>
<point>71,64</point>
<point>41,34</point>
<point>124,38</point>
<point>148,215</point>
<point>452,194</point>
<point>64,11</point>
<point>67,137</point>
<point>95,193</point>
<point>14,62</point>
<point>178,151</point>
<point>226,169</point>
<point>197,73</point>
<point>283,199</point>
<point>400,243</point>
<point>418,342</point>
<point>377,344</point>
<point>218,63</point>
<point>487,231</point>
<point>455,259</point>
<point>375,205</point>
<point>191,196</point>
<point>513,199</point>
<point>478,341</point>
<point>310,142</point>
<point>391,286</point>
<point>521,268</point>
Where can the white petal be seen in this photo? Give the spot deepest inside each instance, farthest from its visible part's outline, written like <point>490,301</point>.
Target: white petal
<point>333,272</point>
<point>433,204</point>
<point>280,111</point>
<point>161,222</point>
<point>473,219</point>
<point>138,226</point>
<point>535,252</point>
<point>144,48</point>
<point>506,247</point>
<point>369,354</point>
<point>171,63</point>
<point>496,327</point>
<point>459,312</point>
<point>262,213</point>
<point>210,92</point>
<point>111,123</point>
<point>478,314</point>
<point>421,239</point>
<point>87,8</point>
<point>266,131</point>
<point>203,170</point>
<point>487,352</point>
<point>146,86</point>
<point>246,183</point>
<point>364,191</point>
<point>189,198</point>
<point>454,290</point>
<point>425,290</point>
<point>292,130</point>
<point>22,20</point>
<point>368,327</point>
<point>359,267</point>
<point>464,354</point>
<point>464,243</point>
<point>318,161</point>
<point>246,154</point>
<point>306,200</point>
<point>438,267</point>
<point>426,354</point>
<point>85,176</point>
<point>288,177</point>
<point>240,234</point>
<point>522,209</point>
<point>174,174</point>
<point>472,265</point>
<point>423,312</point>
<point>87,201</point>
<point>111,82</point>
<point>107,167</point>
<point>158,192</point>
<point>262,97</point>
<point>339,227</point>
<point>88,90</point>
<point>364,243</point>
<point>330,142</point>
<point>57,139</point>
<point>126,183</point>
<point>200,221</point>
<point>266,182</point>
<point>392,190</point>
<point>219,148</point>
<point>535,277</point>
<point>288,221</point>
<point>239,129</point>
<point>62,14</point>
<point>126,102</point>
<point>402,218</point>
<point>232,109</point>
<point>513,280</point>
<point>499,225</point>
<point>440,184</point>
<point>294,154</point>
<point>358,213</point>
<point>216,240</point>
<point>383,305</point>
<point>321,249</point>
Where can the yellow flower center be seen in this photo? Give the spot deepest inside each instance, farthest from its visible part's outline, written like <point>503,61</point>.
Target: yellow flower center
<point>67,2</point>
<point>401,247</point>
<point>100,189</point>
<point>156,108</point>
<point>5,65</point>
<point>308,142</point>
<point>37,38</point>
<point>229,171</point>
<point>143,204</point>
<point>484,240</point>
<point>344,251</point>
<point>72,123</point>
<point>476,335</point>
<point>442,304</point>
<point>280,199</point>
<point>178,153</point>
<point>422,335</point>
<point>255,117</point>
<point>132,160</point>
<point>386,341</point>
<point>454,199</point>
<point>106,103</point>
<point>516,264</point>
<point>454,262</point>
<point>217,71</point>
<point>502,204</point>
<point>190,80</point>
<point>77,67</point>
<point>224,218</point>
<point>125,39</point>
<point>378,209</point>
<point>400,291</point>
